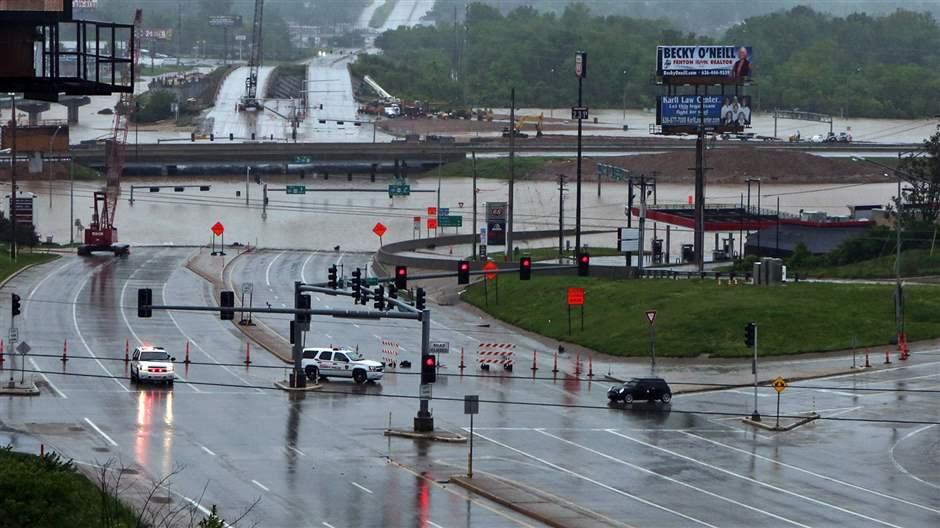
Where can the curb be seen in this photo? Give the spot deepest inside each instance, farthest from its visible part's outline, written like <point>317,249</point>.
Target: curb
<point>16,273</point>
<point>283,385</point>
<point>437,437</point>
<point>30,390</point>
<point>803,421</point>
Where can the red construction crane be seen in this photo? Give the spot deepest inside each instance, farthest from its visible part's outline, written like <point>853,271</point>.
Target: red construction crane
<point>101,233</point>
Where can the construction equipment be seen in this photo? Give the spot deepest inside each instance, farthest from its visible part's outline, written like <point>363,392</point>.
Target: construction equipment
<point>101,233</point>
<point>250,102</point>
<point>522,121</point>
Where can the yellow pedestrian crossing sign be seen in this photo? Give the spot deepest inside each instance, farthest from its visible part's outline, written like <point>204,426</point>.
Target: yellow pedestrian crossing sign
<point>780,384</point>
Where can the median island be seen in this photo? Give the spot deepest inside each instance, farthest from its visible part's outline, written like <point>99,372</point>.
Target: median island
<point>700,318</point>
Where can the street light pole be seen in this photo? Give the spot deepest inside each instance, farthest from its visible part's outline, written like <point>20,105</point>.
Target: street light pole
<point>625,96</point>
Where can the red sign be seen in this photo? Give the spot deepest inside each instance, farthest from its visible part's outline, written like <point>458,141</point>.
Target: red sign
<point>575,296</point>
<point>379,229</point>
<point>432,223</point>
<point>218,229</point>
<point>489,267</point>
<point>432,211</point>
<point>651,316</point>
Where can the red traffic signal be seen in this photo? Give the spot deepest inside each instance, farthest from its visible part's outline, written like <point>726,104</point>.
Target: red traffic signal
<point>584,264</point>
<point>463,272</point>
<point>401,277</point>
<point>525,268</point>
<point>428,369</point>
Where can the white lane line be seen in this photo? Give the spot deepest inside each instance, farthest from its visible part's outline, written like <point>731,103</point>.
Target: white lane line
<point>196,344</point>
<point>294,449</point>
<point>363,488</point>
<point>82,337</point>
<point>260,485</point>
<point>900,467</point>
<point>592,481</point>
<point>673,480</point>
<point>46,378</point>
<point>354,324</point>
<point>267,271</point>
<point>206,449</point>
<point>102,433</point>
<point>434,524</point>
<point>746,393</point>
<point>328,336</point>
<point>303,267</point>
<point>340,259</point>
<point>39,285</point>
<point>328,525</point>
<point>753,481</point>
<point>812,473</point>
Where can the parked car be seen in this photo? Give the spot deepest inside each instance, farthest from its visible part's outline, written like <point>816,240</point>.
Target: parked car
<point>149,363</point>
<point>340,363</point>
<point>649,389</point>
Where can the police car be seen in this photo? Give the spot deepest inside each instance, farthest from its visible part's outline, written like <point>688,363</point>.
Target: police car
<point>326,363</point>
<point>150,363</point>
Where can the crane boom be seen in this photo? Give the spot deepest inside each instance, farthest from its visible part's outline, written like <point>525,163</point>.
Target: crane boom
<point>250,100</point>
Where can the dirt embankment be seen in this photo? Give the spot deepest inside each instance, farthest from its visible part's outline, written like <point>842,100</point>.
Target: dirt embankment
<point>728,165</point>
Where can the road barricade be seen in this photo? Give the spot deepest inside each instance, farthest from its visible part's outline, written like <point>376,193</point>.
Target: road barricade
<point>495,354</point>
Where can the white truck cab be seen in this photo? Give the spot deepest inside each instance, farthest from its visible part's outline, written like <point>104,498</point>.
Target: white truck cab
<point>322,363</point>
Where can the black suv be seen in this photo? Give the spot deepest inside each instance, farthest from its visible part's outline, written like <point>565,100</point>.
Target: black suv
<point>649,389</point>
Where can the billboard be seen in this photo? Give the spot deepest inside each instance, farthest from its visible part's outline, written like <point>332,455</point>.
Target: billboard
<point>704,64</point>
<point>722,113</point>
<point>157,33</point>
<point>225,20</point>
<point>36,10</point>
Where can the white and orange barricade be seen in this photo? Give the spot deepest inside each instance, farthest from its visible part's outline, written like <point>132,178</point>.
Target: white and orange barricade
<point>495,354</point>
<point>390,350</point>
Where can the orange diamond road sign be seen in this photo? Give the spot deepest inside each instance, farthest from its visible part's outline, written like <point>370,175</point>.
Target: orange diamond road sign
<point>575,296</point>
<point>379,229</point>
<point>490,267</point>
<point>780,384</point>
<point>218,229</point>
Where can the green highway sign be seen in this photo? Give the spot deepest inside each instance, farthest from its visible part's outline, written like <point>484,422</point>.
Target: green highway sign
<point>450,221</point>
<point>296,189</point>
<point>372,281</point>
<point>610,171</point>
<point>302,159</point>
<point>399,189</point>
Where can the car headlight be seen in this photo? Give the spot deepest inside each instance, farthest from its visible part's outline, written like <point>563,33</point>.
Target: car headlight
<point>169,368</point>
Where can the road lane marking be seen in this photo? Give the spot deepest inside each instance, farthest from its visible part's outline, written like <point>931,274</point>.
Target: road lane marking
<point>328,525</point>
<point>260,485</point>
<point>196,344</point>
<point>671,479</point>
<point>303,267</point>
<point>102,433</point>
<point>39,285</point>
<point>294,449</point>
<point>900,467</point>
<point>267,271</point>
<point>434,524</point>
<point>753,481</point>
<point>206,449</point>
<point>592,481</point>
<point>46,378</point>
<point>363,488</point>
<point>354,324</point>
<point>82,338</point>
<point>812,473</point>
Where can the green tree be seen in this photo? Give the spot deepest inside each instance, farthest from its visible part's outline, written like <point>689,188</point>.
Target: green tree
<point>924,194</point>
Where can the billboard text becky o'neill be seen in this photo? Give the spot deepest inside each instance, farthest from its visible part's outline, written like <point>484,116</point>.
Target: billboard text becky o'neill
<point>735,63</point>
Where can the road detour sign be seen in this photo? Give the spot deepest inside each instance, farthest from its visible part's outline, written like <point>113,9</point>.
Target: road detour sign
<point>780,384</point>
<point>575,296</point>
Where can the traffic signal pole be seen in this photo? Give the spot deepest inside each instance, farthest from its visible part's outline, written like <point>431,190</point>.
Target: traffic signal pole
<point>756,415</point>
<point>297,348</point>
<point>424,422</point>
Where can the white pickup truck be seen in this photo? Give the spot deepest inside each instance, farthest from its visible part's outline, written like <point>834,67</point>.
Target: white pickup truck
<point>326,363</point>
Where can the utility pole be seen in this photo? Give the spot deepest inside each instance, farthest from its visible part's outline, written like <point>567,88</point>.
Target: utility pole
<point>581,72</point>
<point>642,222</point>
<point>473,232</point>
<point>512,173</point>
<point>748,209</point>
<point>247,177</point>
<point>700,189</point>
<point>756,415</point>
<point>13,178</point>
<point>179,39</point>
<point>898,292</point>
<point>71,199</point>
<point>561,217</point>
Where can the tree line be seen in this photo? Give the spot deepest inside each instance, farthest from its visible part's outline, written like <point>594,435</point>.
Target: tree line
<point>857,65</point>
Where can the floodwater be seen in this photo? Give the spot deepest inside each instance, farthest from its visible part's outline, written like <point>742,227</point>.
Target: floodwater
<point>329,214</point>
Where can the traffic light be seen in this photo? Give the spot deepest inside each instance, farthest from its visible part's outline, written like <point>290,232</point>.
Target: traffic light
<point>420,299</point>
<point>750,335</point>
<point>228,301</point>
<point>144,300</point>
<point>357,283</point>
<point>363,295</point>
<point>525,268</point>
<point>401,277</point>
<point>392,291</point>
<point>428,368</point>
<point>304,304</point>
<point>463,272</point>
<point>15,305</point>
<point>379,298</point>
<point>332,277</point>
<point>584,264</point>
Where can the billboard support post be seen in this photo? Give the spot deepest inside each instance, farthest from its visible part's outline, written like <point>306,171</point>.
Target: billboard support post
<point>581,72</point>
<point>700,189</point>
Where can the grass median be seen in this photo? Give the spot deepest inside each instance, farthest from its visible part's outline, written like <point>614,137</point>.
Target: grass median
<point>700,318</point>
<point>9,267</point>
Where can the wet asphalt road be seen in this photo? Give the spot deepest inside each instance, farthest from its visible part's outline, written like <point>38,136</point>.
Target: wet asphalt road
<point>321,460</point>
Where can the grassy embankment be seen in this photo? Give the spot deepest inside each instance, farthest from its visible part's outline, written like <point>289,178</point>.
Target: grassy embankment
<point>491,168</point>
<point>23,259</point>
<point>380,15</point>
<point>701,318</point>
<point>914,263</point>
